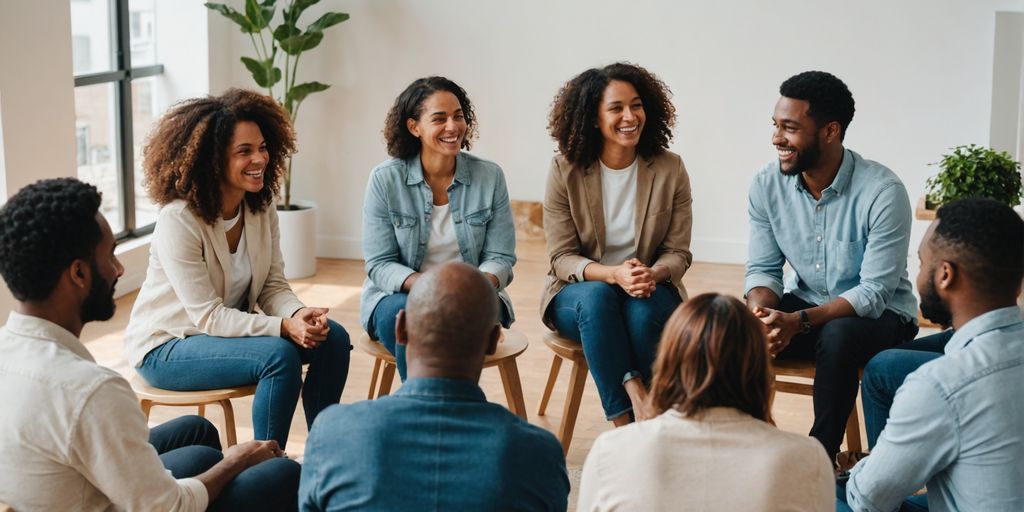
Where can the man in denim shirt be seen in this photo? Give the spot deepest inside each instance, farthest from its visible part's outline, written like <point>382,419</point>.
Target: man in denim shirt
<point>843,225</point>
<point>436,444</point>
<point>957,423</point>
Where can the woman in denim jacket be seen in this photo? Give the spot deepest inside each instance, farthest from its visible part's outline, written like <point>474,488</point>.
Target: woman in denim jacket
<point>431,203</point>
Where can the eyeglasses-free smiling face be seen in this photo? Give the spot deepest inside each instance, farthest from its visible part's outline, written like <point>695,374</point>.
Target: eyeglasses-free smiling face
<point>796,136</point>
<point>621,117</point>
<point>247,159</point>
<point>441,126</point>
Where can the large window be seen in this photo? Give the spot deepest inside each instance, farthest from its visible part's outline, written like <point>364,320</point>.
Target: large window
<point>118,82</point>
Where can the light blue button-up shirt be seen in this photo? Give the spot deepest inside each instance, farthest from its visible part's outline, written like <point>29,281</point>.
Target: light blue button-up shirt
<point>957,424</point>
<point>396,225</point>
<point>851,243</point>
<point>436,444</point>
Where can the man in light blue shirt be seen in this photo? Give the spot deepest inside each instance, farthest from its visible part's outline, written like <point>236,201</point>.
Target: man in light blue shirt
<point>843,224</point>
<point>957,423</point>
<point>436,444</point>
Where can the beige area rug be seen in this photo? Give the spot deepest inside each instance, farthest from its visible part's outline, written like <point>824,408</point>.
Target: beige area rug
<point>574,486</point>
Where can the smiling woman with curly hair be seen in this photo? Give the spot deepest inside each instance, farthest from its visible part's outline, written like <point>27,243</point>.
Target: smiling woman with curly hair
<point>617,221</point>
<point>214,166</point>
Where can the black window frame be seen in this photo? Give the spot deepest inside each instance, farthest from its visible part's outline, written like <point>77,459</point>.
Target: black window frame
<point>122,76</point>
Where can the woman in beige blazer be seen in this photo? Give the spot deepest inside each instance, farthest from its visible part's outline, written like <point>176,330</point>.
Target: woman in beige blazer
<point>617,220</point>
<point>713,446</point>
<point>214,165</point>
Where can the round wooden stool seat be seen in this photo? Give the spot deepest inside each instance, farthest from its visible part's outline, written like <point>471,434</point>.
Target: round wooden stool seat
<point>149,396</point>
<point>510,345</point>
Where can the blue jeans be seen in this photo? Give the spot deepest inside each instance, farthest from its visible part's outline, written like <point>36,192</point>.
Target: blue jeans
<point>381,326</point>
<point>885,373</point>
<point>619,333</point>
<point>189,446</point>
<point>274,364</point>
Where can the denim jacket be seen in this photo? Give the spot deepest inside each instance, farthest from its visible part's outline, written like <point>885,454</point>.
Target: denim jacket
<point>396,225</point>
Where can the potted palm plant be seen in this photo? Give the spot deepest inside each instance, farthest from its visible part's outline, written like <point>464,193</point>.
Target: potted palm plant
<point>972,171</point>
<point>275,68</point>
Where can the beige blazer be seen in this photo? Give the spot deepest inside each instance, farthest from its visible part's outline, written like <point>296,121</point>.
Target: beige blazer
<point>183,294</point>
<point>574,220</point>
<point>722,459</point>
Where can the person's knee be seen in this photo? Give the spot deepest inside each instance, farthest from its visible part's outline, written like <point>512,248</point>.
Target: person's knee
<point>598,298</point>
<point>839,340</point>
<point>338,337</point>
<point>284,359</point>
<point>205,431</point>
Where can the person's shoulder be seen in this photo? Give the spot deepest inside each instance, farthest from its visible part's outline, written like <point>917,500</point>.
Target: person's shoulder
<point>177,214</point>
<point>479,164</point>
<point>873,172</point>
<point>392,167</point>
<point>667,159</point>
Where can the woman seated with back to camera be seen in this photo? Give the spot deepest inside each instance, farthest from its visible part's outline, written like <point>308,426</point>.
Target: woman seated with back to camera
<point>713,445</point>
<point>214,165</point>
<point>429,204</point>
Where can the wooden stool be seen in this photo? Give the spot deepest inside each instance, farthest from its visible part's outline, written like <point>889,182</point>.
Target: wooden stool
<point>149,396</point>
<point>564,348</point>
<point>805,369</point>
<point>511,344</point>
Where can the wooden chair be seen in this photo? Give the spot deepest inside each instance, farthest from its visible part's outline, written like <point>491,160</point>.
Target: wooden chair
<point>149,396</point>
<point>510,346</point>
<point>805,369</point>
<point>565,348</point>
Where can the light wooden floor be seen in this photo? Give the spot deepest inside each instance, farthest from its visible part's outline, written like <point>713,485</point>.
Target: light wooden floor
<point>337,286</point>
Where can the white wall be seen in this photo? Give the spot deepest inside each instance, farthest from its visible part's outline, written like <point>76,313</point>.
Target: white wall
<point>920,71</point>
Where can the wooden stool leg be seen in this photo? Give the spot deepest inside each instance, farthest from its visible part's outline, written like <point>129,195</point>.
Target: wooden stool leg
<point>577,380</point>
<point>513,387</point>
<point>387,379</point>
<point>853,431</point>
<point>146,406</point>
<point>202,410</point>
<point>373,378</point>
<point>229,422</point>
<point>556,365</point>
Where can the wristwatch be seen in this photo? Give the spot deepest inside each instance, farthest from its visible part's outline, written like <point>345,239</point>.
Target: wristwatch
<point>805,323</point>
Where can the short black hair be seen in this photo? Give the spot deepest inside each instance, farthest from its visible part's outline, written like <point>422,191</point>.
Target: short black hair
<point>829,98</point>
<point>986,238</point>
<point>409,105</point>
<point>43,228</point>
<point>573,118</point>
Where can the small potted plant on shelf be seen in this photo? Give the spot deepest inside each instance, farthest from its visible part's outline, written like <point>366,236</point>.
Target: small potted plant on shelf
<point>275,68</point>
<point>972,171</point>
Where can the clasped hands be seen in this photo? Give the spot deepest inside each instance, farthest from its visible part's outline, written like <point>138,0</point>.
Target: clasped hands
<point>635,278</point>
<point>306,328</point>
<point>780,327</point>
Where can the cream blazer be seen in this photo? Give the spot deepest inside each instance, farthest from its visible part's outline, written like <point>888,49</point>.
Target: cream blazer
<point>574,220</point>
<point>183,294</point>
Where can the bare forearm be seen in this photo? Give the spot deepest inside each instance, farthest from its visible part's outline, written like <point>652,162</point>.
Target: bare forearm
<point>763,297</point>
<point>220,475</point>
<point>661,273</point>
<point>599,272</point>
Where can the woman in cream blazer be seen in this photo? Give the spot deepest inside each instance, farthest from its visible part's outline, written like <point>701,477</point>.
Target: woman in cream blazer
<point>617,220</point>
<point>713,445</point>
<point>213,164</point>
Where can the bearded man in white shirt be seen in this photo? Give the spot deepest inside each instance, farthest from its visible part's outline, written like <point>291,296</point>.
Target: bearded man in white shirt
<point>74,437</point>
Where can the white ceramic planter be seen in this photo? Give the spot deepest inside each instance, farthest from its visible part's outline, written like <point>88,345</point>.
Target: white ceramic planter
<point>298,239</point>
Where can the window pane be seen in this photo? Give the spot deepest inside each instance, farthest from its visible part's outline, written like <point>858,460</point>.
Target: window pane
<point>91,36</point>
<point>96,140</point>
<point>142,32</point>
<point>149,101</point>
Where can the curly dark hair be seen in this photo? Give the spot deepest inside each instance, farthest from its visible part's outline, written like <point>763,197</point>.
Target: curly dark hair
<point>986,239</point>
<point>828,97</point>
<point>187,150</point>
<point>409,105</point>
<point>44,228</point>
<point>573,118</point>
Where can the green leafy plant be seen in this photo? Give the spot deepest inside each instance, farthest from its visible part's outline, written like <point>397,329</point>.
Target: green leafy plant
<point>286,42</point>
<point>975,171</point>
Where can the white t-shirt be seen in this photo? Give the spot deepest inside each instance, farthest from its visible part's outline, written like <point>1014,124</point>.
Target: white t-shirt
<point>618,190</point>
<point>442,245</point>
<point>241,268</point>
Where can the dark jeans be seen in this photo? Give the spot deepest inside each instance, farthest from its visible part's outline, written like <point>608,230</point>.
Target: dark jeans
<point>619,333</point>
<point>381,326</point>
<point>189,446</point>
<point>839,349</point>
<point>274,364</point>
<point>885,373</point>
